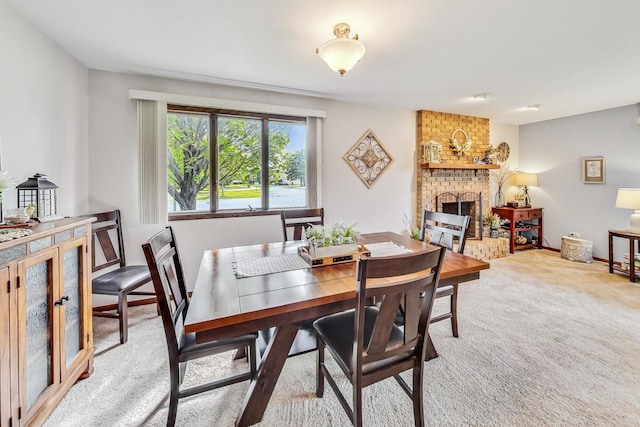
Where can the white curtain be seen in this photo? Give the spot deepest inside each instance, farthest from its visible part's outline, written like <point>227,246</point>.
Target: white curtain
<point>152,139</point>
<point>314,161</point>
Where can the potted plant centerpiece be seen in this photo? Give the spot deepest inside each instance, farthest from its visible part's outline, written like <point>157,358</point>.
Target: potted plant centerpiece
<point>332,240</point>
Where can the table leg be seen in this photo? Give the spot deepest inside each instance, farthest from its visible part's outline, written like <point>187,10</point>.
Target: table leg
<point>261,388</point>
<point>610,252</point>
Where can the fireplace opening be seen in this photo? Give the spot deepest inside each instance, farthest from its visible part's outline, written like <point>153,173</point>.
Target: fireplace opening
<point>463,204</point>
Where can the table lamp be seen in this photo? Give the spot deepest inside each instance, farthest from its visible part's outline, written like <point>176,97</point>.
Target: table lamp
<point>629,198</point>
<point>526,179</point>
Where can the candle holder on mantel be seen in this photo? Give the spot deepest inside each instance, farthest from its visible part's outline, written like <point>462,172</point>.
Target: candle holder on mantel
<point>38,196</point>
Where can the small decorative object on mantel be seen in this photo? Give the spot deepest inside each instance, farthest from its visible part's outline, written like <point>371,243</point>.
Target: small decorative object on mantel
<point>332,244</point>
<point>39,197</point>
<point>460,148</point>
<point>368,158</point>
<point>431,152</point>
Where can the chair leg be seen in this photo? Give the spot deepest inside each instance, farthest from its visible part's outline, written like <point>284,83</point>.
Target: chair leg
<point>253,350</point>
<point>418,409</point>
<point>454,310</point>
<point>319,374</point>
<point>174,394</point>
<point>357,402</point>
<point>123,318</point>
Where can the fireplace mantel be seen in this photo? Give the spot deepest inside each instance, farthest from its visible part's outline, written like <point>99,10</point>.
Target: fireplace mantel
<point>459,166</point>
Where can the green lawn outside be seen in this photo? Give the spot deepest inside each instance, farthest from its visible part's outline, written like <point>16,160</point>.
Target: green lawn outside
<point>235,191</point>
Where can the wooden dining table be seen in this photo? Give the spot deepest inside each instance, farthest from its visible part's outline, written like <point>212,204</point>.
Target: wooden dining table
<point>223,305</point>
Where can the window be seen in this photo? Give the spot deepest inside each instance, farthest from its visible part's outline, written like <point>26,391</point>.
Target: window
<point>219,160</point>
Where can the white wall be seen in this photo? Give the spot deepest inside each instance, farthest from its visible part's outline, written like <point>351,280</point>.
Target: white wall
<point>554,149</point>
<point>43,112</point>
<point>113,160</point>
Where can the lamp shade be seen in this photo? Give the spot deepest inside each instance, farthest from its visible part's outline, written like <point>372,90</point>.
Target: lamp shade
<point>341,53</point>
<point>628,198</point>
<point>526,179</point>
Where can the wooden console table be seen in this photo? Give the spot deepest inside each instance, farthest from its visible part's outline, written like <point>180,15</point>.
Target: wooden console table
<point>525,217</point>
<point>634,246</point>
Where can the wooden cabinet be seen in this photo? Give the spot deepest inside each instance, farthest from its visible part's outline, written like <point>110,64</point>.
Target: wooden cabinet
<point>525,222</point>
<point>45,319</point>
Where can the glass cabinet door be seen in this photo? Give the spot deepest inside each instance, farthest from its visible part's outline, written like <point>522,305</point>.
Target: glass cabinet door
<point>73,341</point>
<point>38,358</point>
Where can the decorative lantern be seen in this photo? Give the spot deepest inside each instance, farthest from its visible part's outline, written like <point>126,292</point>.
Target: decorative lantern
<point>431,152</point>
<point>38,196</point>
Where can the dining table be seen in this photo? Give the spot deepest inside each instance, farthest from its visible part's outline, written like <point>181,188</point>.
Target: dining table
<point>250,288</point>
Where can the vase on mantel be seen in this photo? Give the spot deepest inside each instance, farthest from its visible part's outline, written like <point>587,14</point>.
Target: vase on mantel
<point>499,202</point>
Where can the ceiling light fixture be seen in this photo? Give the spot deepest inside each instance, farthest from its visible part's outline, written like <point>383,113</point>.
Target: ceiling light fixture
<point>482,96</point>
<point>341,53</point>
<point>534,107</point>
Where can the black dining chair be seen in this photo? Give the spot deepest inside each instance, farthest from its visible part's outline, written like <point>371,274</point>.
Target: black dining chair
<point>445,229</point>
<point>161,253</point>
<point>367,344</point>
<point>118,278</point>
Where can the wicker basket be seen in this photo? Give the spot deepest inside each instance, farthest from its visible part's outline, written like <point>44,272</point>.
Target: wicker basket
<point>575,249</point>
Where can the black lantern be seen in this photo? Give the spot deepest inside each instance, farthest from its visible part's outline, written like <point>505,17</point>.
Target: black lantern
<point>38,196</point>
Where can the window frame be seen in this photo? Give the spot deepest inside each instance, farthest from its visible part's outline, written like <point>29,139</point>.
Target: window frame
<point>214,212</point>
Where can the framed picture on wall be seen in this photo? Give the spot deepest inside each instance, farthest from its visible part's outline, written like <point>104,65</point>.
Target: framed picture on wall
<point>593,170</point>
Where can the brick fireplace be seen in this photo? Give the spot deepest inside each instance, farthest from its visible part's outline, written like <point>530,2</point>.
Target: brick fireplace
<point>455,175</point>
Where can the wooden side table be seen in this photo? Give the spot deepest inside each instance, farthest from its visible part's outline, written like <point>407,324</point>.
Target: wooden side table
<point>634,242</point>
<point>520,220</point>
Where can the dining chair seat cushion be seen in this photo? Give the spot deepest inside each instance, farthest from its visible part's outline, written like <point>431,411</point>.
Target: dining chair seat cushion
<point>122,279</point>
<point>336,330</point>
<point>189,350</point>
<point>443,291</point>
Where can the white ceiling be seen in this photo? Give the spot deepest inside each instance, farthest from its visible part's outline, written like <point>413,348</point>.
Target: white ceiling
<point>570,56</point>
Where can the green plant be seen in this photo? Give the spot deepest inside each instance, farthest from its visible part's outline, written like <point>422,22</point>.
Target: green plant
<point>414,232</point>
<point>332,235</point>
<point>494,221</point>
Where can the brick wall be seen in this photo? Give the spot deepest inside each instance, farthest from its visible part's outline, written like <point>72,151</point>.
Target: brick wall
<point>439,127</point>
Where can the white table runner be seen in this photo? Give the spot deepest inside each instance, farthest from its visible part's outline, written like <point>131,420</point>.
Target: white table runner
<point>268,265</point>
<point>387,249</point>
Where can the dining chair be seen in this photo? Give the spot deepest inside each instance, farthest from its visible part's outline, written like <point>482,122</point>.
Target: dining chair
<point>367,344</point>
<point>296,221</point>
<point>121,279</point>
<point>163,259</point>
<point>446,228</point>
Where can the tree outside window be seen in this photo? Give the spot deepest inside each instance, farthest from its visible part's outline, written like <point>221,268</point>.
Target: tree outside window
<point>242,146</point>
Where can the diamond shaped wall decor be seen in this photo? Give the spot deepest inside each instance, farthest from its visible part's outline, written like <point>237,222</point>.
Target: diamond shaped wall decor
<point>368,158</point>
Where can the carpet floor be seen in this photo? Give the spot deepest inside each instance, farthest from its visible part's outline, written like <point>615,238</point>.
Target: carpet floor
<point>543,342</point>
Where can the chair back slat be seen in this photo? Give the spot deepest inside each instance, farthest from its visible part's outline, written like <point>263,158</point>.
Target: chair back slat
<point>162,257</point>
<point>296,221</point>
<point>407,280</point>
<point>107,233</point>
<point>445,228</point>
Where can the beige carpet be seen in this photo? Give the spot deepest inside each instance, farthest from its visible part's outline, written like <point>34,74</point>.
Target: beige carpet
<point>544,342</point>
